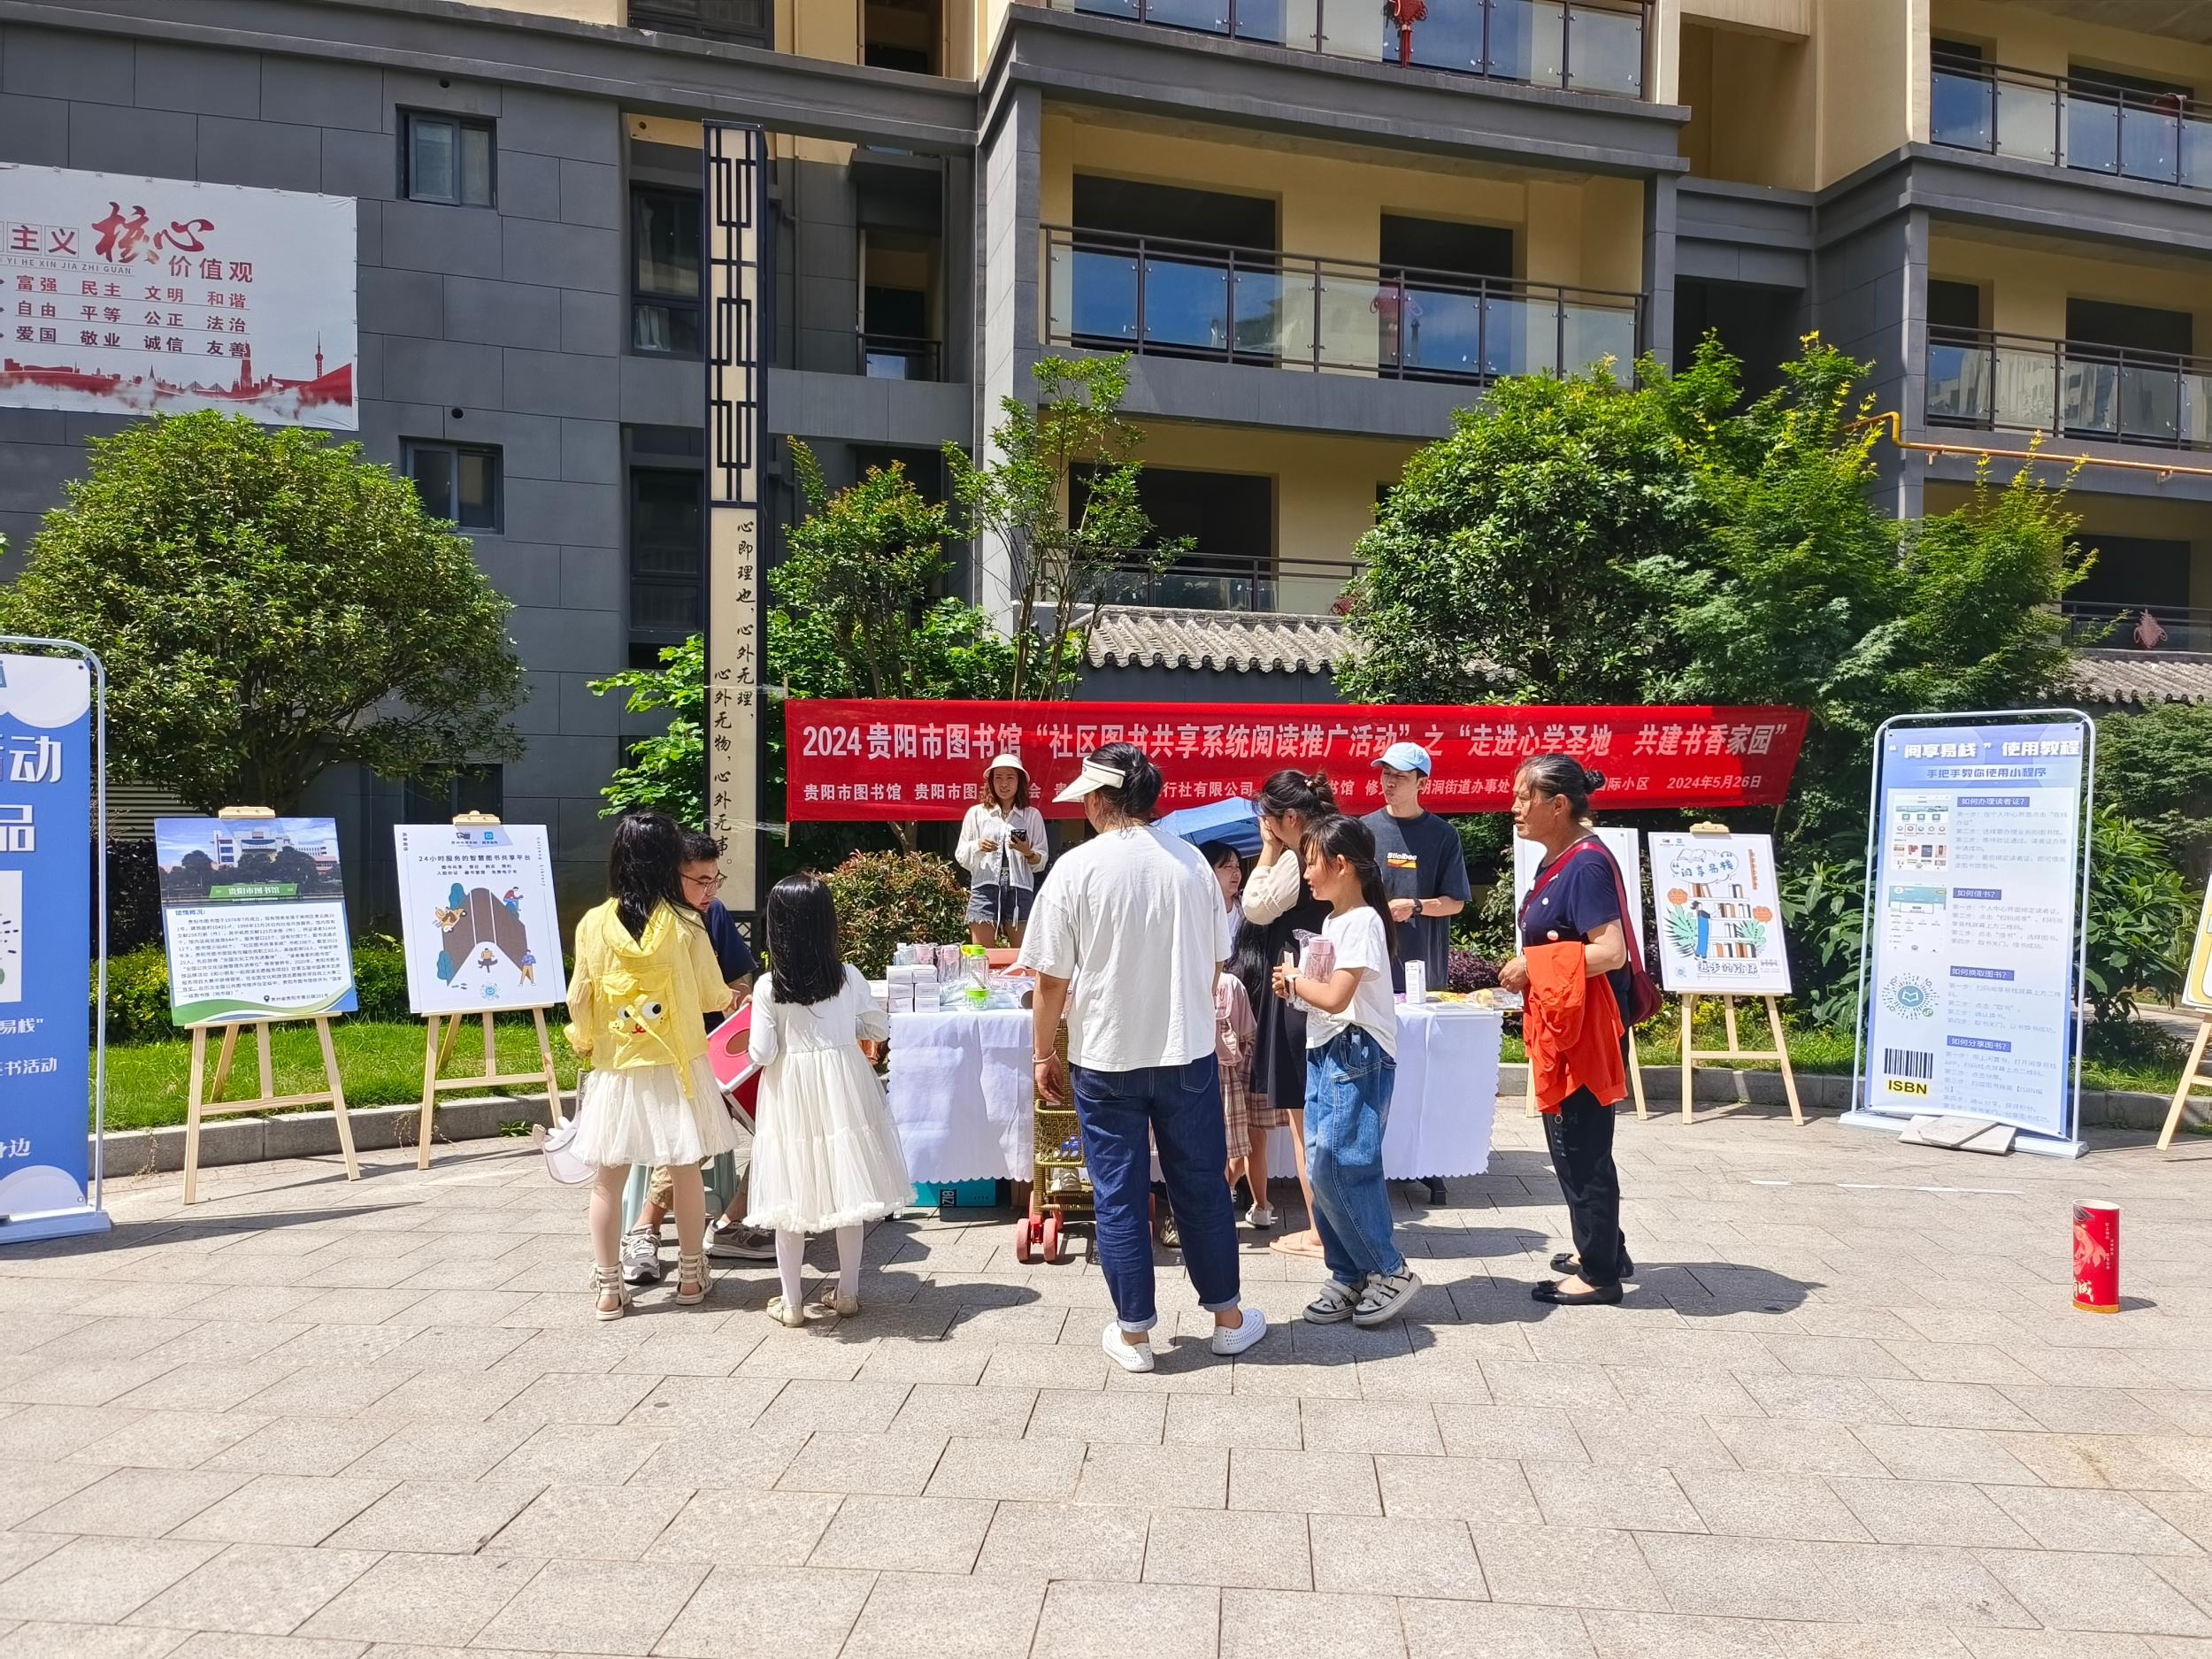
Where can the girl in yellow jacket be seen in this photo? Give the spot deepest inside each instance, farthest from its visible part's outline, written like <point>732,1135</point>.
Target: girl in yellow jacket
<point>646,982</point>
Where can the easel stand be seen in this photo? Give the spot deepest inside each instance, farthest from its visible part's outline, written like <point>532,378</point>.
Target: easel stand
<point>1735,1050</point>
<point>436,1051</point>
<point>2193,1077</point>
<point>203,1097</point>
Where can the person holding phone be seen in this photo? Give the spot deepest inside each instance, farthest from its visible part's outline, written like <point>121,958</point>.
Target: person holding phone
<point>1002,847</point>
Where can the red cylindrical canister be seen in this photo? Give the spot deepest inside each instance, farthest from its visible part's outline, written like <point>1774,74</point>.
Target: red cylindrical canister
<point>2097,1257</point>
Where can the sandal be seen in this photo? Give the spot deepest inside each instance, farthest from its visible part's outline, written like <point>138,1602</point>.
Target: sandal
<point>1307,1244</point>
<point>832,1306</point>
<point>784,1314</point>
<point>607,1281</point>
<point>1334,1305</point>
<point>693,1284</point>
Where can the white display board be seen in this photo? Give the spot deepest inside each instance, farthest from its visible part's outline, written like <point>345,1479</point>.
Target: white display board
<point>1972,951</point>
<point>1720,916</point>
<point>129,296</point>
<point>2196,990</point>
<point>253,912</point>
<point>1528,858</point>
<point>477,917</point>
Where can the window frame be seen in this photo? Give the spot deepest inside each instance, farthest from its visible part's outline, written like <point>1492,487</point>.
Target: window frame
<point>460,123</point>
<point>640,295</point>
<point>654,635</point>
<point>453,449</point>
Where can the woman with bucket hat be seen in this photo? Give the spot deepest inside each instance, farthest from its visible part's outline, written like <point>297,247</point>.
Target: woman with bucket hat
<point>1002,847</point>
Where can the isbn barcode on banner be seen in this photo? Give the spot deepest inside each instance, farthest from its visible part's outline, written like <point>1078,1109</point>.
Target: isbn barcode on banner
<point>1907,1063</point>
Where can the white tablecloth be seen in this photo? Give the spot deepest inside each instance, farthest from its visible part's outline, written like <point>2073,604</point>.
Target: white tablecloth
<point>960,1094</point>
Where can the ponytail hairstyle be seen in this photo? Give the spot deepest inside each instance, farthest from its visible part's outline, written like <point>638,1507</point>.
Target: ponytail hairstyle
<point>1290,790</point>
<point>1563,775</point>
<point>1139,794</point>
<point>645,868</point>
<point>1336,836</point>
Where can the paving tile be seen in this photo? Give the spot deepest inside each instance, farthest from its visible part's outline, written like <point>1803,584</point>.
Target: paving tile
<point>1490,1630</point>
<point>797,1613</point>
<point>300,1510</point>
<point>455,1449</point>
<point>1797,1446</point>
<point>1921,1454</point>
<point>602,1522</point>
<point>136,1503</point>
<point>905,1535</point>
<point>465,1396</point>
<point>997,1619</point>
<point>577,1606</point>
<point>1679,1636</point>
<point>87,1382</point>
<point>1768,1505</point>
<point>1566,1566</point>
<point>99,1580</point>
<point>1634,1500</point>
<point>1036,1365</point>
<point>2049,1644</point>
<point>1921,1583</point>
<point>1233,1420</point>
<point>336,1390</point>
<point>1249,1549</point>
<point>1867,1641</point>
<point>1653,1442</point>
<point>2091,1520</point>
<point>255,1589</point>
<point>1064,1541</point>
<point>1847,1400</point>
<point>2069,1591</point>
<point>1093,1621</point>
<point>170,1439</point>
<point>751,1460</point>
<point>981,1412</point>
<point>409,1598</point>
<point>715,1404</point>
<point>1370,1426</point>
<point>1099,1416</point>
<point>1952,1405</point>
<point>301,1446</point>
<point>455,1517</point>
<point>1155,1477</point>
<point>2127,1462</point>
<point>763,1528</point>
<point>1959,1362</point>
<point>37,1640</point>
<point>2087,1410</point>
<point>580,1453</point>
<point>848,1407</point>
<point>1746,1578</point>
<point>2190,1512</point>
<point>206,1388</point>
<point>237,1645</point>
<point>1480,1489</point>
<point>1510,1431</point>
<point>1043,1471</point>
<point>1303,1483</point>
<point>889,1465</point>
<point>570,1397</point>
<point>1414,1557</point>
<point>1259,1624</point>
<point>40,1434</point>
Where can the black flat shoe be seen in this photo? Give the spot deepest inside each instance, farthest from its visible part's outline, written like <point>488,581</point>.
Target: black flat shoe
<point>1570,1266</point>
<point>1550,1291</point>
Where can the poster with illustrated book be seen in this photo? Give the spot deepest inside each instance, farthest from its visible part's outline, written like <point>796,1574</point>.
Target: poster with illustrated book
<point>2196,991</point>
<point>477,917</point>
<point>1720,916</point>
<point>253,913</point>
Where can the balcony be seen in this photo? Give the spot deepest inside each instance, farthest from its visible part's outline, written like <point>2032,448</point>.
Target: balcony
<point>2012,382</point>
<point>1256,307</point>
<point>2078,125</point>
<point>1572,45</point>
<point>897,357</point>
<point>1198,582</point>
<point>2137,627</point>
<point>738,22</point>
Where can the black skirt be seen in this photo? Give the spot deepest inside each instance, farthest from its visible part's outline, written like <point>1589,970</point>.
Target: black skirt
<point>1279,1049</point>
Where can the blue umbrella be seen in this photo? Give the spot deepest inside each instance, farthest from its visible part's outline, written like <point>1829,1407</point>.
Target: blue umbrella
<point>1234,821</point>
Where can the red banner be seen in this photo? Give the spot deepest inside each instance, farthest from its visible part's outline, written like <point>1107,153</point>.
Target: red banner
<point>864,760</point>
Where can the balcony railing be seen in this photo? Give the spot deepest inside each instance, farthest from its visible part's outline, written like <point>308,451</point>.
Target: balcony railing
<point>2138,627</point>
<point>1576,45</point>
<point>744,22</point>
<point>2016,383</point>
<point>2077,124</point>
<point>1284,311</point>
<point>897,357</point>
<point>1202,582</point>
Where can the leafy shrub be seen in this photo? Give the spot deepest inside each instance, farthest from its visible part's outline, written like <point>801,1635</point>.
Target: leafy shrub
<point>138,995</point>
<point>1824,912</point>
<point>380,978</point>
<point>885,900</point>
<point>1467,971</point>
<point>2140,918</point>
<point>133,896</point>
<point>2156,767</point>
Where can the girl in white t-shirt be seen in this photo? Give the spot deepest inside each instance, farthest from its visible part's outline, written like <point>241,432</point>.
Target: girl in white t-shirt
<point>1351,1067</point>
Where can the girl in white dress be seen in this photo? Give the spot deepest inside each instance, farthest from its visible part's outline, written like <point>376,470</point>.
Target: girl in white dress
<point>825,1154</point>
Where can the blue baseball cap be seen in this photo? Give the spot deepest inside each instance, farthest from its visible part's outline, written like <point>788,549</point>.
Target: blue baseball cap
<point>1406,758</point>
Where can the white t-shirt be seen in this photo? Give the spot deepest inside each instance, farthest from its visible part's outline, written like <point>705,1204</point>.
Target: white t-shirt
<point>1135,919</point>
<point>1358,935</point>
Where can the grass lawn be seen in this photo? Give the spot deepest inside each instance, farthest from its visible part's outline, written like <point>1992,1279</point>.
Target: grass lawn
<point>379,1063</point>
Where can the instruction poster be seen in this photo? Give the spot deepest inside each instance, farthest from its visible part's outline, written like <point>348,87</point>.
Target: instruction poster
<point>1972,965</point>
<point>478,919</point>
<point>253,911</point>
<point>46,763</point>
<point>1528,858</point>
<point>2196,990</point>
<point>1720,916</point>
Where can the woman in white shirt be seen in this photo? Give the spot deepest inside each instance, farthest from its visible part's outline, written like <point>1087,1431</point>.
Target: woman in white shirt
<point>1002,847</point>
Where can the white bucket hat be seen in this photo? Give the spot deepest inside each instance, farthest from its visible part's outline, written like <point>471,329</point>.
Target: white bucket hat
<point>1011,763</point>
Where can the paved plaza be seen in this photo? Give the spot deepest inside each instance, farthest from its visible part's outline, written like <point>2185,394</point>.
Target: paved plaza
<point>1846,1410</point>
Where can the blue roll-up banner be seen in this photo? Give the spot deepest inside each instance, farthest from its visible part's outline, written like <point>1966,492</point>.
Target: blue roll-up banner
<point>49,776</point>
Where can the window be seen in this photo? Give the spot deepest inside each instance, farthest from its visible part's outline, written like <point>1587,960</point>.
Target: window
<point>471,790</point>
<point>667,532</point>
<point>665,235</point>
<point>449,159</point>
<point>458,481</point>
<point>742,22</point>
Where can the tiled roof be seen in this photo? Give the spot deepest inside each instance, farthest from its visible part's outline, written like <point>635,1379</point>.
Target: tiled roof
<point>2145,678</point>
<point>1255,642</point>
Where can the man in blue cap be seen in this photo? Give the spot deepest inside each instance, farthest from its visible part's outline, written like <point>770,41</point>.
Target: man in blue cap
<point>1424,870</point>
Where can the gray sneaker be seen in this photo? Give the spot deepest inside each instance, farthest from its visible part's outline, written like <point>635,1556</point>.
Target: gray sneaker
<point>641,1258</point>
<point>731,1243</point>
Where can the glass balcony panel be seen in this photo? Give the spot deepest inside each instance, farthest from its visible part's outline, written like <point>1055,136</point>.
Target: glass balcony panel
<point>2150,143</point>
<point>1211,17</point>
<point>2092,134</point>
<point>1608,50</point>
<point>1266,302</point>
<point>1959,382</point>
<point>1101,296</point>
<point>1963,110</point>
<point>1528,41</point>
<point>2196,151</point>
<point>1186,304</point>
<point>2091,397</point>
<point>1302,24</point>
<point>2025,387</point>
<point>1356,31</point>
<point>1449,37</point>
<point>2027,122</point>
<point>1441,333</point>
<point>1270,21</point>
<point>1595,332</point>
<point>2150,402</point>
<point>1349,303</point>
<point>1520,336</point>
<point>1098,8</point>
<point>2196,407</point>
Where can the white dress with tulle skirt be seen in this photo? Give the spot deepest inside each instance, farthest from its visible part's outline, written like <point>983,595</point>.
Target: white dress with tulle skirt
<point>826,1153</point>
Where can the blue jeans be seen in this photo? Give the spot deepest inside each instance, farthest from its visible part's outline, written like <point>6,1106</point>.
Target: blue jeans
<point>1124,1115</point>
<point>1348,1083</point>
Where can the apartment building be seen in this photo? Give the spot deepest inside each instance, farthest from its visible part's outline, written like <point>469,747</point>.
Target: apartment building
<point>1320,225</point>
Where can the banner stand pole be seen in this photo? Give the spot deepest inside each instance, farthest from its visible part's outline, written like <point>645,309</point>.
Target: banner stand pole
<point>204,1094</point>
<point>436,1052</point>
<point>2193,1077</point>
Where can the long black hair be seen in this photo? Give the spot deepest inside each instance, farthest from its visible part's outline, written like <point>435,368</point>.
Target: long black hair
<point>1340,837</point>
<point>645,868</point>
<point>1563,775</point>
<point>1290,790</point>
<point>1139,791</point>
<point>805,963</point>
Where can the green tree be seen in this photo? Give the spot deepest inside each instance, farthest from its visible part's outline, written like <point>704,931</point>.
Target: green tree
<point>2156,767</point>
<point>269,605</point>
<point>1075,443</point>
<point>666,772</point>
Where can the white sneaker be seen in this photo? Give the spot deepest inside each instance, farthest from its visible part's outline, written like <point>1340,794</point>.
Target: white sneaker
<point>1129,1357</point>
<point>1230,1340</point>
<point>641,1258</point>
<point>1386,1296</point>
<point>1260,1217</point>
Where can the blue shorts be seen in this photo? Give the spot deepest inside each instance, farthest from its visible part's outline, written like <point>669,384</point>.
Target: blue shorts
<point>990,902</point>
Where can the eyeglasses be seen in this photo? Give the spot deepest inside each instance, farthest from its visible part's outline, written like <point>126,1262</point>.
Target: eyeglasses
<point>711,884</point>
